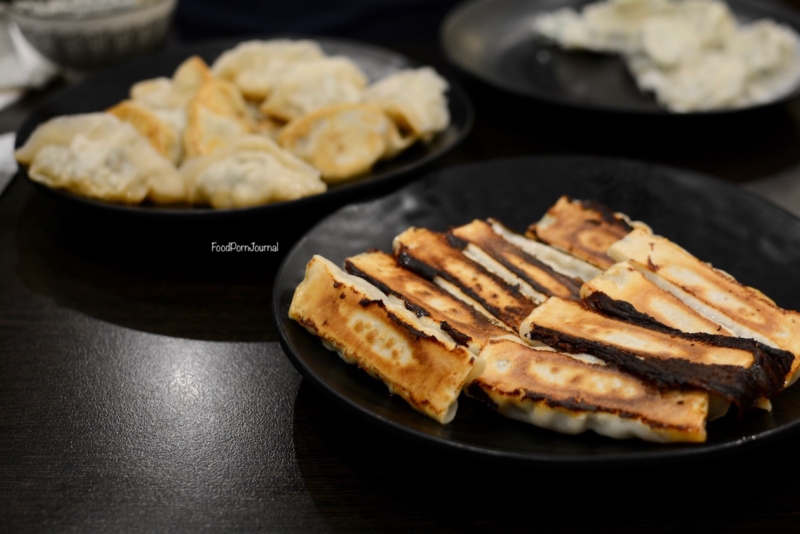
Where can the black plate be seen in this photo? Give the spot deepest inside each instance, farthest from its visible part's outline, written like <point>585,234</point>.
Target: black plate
<point>111,86</point>
<point>494,41</point>
<point>752,239</point>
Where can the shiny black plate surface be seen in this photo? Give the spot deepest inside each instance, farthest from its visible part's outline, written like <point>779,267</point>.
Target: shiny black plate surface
<point>111,86</point>
<point>750,238</point>
<point>494,41</point>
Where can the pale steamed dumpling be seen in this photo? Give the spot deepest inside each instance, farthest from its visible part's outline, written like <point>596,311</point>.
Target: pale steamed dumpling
<point>250,171</point>
<point>311,85</point>
<point>255,66</point>
<point>415,99</point>
<point>98,156</point>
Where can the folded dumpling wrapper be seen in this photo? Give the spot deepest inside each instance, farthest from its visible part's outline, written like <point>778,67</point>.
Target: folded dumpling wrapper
<point>415,99</point>
<point>255,66</point>
<point>175,92</point>
<point>98,156</point>
<point>310,85</point>
<point>419,363</point>
<point>217,116</point>
<point>343,140</point>
<point>249,171</point>
<point>162,127</point>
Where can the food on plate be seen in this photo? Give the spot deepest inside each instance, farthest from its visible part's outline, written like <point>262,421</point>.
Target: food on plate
<point>743,310</point>
<point>101,157</point>
<point>464,320</point>
<point>556,391</point>
<point>584,229</point>
<point>174,93</point>
<point>311,85</point>
<point>318,108</point>
<point>250,171</point>
<point>538,274</point>
<point>256,66</point>
<point>417,361</point>
<point>739,370</point>
<point>164,128</point>
<point>692,54</point>
<point>414,99</point>
<point>343,140</point>
<point>571,346</point>
<point>439,258</point>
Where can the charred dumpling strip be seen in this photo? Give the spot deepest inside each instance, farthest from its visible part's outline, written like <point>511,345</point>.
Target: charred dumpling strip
<point>583,228</point>
<point>739,370</point>
<point>715,294</point>
<point>463,322</point>
<point>624,282</point>
<point>555,391</point>
<point>538,274</point>
<point>422,365</point>
<point>435,256</point>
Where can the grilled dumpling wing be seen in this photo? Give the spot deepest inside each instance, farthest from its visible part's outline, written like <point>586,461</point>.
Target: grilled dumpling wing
<point>556,391</point>
<point>311,85</point>
<point>250,171</point>
<point>420,364</point>
<point>255,66</point>
<point>342,140</point>
<point>415,99</point>
<point>98,156</point>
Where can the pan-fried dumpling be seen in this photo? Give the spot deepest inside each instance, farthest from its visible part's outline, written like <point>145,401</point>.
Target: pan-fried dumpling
<point>343,140</point>
<point>175,93</point>
<point>98,156</point>
<point>163,128</point>
<point>314,84</point>
<point>415,99</point>
<point>254,66</point>
<point>217,116</point>
<point>251,171</point>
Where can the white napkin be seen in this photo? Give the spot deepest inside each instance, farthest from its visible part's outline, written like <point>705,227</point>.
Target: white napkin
<point>21,66</point>
<point>8,165</point>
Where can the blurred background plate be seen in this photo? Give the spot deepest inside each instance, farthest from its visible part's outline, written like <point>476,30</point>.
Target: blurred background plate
<point>494,41</point>
<point>111,86</point>
<point>750,238</point>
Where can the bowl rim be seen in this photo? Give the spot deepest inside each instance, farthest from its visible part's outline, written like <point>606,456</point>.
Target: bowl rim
<point>63,18</point>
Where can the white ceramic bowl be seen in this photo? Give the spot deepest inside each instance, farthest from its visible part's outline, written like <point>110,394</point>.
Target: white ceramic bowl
<point>96,39</point>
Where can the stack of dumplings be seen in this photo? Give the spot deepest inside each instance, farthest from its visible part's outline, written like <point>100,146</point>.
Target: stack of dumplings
<point>268,121</point>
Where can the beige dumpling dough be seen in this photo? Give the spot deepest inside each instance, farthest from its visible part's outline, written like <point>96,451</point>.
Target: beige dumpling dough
<point>251,171</point>
<point>162,127</point>
<point>217,116</point>
<point>98,156</point>
<point>311,85</point>
<point>174,93</point>
<point>343,140</point>
<point>254,66</point>
<point>415,99</point>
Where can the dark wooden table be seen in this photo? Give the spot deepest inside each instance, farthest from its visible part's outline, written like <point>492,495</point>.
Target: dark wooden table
<point>142,387</point>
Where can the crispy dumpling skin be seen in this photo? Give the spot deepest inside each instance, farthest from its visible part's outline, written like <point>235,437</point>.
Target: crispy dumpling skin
<point>343,140</point>
<point>311,85</point>
<point>251,171</point>
<point>98,156</point>
<point>174,93</point>
<point>415,99</point>
<point>217,116</point>
<point>163,128</point>
<point>254,66</point>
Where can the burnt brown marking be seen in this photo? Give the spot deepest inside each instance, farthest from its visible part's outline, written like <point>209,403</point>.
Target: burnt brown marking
<point>742,386</point>
<point>606,214</point>
<point>429,272</point>
<point>475,391</point>
<point>459,337</point>
<point>341,295</point>
<point>336,285</point>
<point>652,266</point>
<point>498,248</point>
